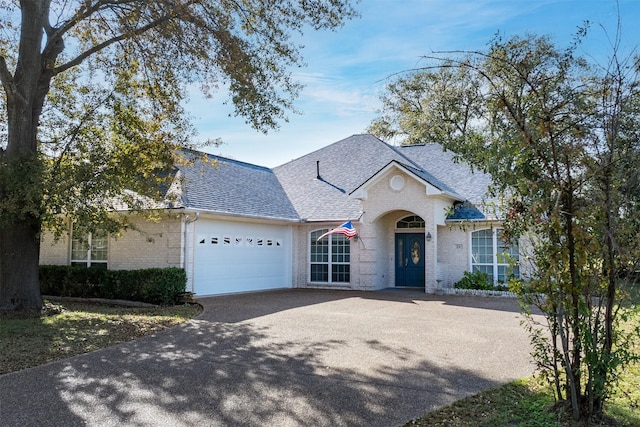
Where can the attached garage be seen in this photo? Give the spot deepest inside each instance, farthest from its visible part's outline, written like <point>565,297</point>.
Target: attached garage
<point>231,256</point>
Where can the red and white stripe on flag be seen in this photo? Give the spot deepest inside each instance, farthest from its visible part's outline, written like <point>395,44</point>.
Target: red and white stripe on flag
<point>345,229</point>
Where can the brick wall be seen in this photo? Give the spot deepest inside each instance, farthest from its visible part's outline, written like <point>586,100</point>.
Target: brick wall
<point>154,245</point>
<point>383,207</point>
<point>453,255</point>
<point>54,252</point>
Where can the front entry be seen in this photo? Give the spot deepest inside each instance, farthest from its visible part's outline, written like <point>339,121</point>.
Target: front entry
<point>410,260</point>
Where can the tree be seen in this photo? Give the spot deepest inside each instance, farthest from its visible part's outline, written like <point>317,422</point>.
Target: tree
<point>92,101</point>
<point>560,137</point>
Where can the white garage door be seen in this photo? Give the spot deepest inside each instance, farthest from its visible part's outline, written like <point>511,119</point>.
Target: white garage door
<point>240,257</point>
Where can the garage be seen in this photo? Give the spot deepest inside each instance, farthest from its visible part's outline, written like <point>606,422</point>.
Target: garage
<point>234,256</point>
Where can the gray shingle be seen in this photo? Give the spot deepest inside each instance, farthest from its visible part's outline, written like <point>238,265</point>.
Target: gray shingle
<point>234,188</point>
<point>347,164</point>
<point>294,191</point>
<point>343,166</point>
<point>472,185</point>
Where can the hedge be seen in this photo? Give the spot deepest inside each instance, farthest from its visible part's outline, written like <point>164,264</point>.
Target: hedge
<point>151,285</point>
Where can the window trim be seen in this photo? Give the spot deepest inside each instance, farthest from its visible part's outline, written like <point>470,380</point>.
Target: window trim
<point>330,254</point>
<point>495,264</point>
<point>89,261</point>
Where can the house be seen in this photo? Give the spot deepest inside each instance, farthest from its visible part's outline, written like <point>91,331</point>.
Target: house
<point>239,227</point>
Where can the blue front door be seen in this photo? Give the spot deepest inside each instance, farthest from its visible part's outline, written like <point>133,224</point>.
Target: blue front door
<point>410,260</point>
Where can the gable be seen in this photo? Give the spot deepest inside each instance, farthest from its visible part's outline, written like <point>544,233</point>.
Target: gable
<point>472,185</point>
<point>432,186</point>
<point>321,185</point>
<point>325,185</point>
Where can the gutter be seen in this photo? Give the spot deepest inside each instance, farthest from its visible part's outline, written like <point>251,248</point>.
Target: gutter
<point>237,215</point>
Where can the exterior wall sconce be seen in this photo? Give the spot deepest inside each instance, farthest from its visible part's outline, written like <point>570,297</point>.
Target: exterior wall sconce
<point>428,236</point>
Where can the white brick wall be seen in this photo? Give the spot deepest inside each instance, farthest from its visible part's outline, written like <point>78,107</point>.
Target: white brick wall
<point>373,255</point>
<point>156,244</point>
<point>54,252</point>
<point>382,208</point>
<point>453,255</point>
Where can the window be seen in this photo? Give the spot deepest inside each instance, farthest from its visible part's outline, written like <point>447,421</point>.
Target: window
<point>413,221</point>
<point>330,257</point>
<point>89,249</point>
<point>492,255</point>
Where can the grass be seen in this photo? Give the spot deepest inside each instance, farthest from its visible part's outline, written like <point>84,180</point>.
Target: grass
<point>70,328</point>
<point>525,403</point>
<point>528,403</point>
<point>521,403</point>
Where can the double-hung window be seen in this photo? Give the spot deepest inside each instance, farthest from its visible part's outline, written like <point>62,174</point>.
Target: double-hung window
<point>493,255</point>
<point>89,249</point>
<point>329,258</point>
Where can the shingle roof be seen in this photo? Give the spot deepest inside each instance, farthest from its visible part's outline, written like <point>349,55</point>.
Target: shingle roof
<point>343,166</point>
<point>317,186</point>
<point>348,163</point>
<point>465,211</point>
<point>472,184</point>
<point>232,187</point>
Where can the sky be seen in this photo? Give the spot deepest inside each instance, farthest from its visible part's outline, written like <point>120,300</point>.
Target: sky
<point>347,69</point>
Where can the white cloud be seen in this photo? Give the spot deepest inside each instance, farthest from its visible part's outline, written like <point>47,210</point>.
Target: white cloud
<point>347,68</point>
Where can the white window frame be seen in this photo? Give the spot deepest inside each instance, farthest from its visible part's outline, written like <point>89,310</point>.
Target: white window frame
<point>90,240</point>
<point>330,263</point>
<point>498,260</point>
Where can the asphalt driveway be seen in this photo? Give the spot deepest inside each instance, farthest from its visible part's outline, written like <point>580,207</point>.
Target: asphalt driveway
<point>284,358</point>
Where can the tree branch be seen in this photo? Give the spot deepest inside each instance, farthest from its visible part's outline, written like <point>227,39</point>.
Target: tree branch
<point>124,36</point>
<point>5,77</point>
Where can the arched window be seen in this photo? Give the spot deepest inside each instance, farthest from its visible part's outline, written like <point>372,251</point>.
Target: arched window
<point>413,221</point>
<point>329,258</point>
<point>493,255</point>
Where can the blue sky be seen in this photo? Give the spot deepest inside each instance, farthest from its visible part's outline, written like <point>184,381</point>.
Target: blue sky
<point>347,69</point>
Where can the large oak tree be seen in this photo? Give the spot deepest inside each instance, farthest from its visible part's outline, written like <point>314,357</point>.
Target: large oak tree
<point>92,102</point>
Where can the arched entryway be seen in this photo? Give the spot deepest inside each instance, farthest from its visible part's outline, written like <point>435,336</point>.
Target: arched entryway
<point>410,252</point>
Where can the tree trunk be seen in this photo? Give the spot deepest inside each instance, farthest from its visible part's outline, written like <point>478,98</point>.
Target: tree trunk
<point>19,256</point>
<point>21,186</point>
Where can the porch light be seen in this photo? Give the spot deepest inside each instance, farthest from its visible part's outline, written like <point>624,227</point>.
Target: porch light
<point>428,236</point>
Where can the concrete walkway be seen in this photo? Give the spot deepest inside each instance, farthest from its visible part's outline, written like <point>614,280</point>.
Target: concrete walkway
<point>284,358</point>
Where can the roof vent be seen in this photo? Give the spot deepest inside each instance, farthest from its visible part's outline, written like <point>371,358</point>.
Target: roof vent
<point>318,169</point>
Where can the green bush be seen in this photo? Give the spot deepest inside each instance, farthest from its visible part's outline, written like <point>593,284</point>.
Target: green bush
<point>152,285</point>
<point>475,280</point>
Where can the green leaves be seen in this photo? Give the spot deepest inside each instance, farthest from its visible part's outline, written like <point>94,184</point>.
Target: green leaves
<point>560,139</point>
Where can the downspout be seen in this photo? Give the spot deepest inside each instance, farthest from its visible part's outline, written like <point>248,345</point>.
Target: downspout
<point>187,246</point>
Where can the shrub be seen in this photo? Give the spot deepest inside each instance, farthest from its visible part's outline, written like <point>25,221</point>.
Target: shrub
<point>475,280</point>
<point>152,285</point>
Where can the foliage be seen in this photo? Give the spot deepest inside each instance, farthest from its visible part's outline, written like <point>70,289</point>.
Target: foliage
<point>152,285</point>
<point>475,280</point>
<point>561,138</point>
<point>92,109</point>
<point>72,328</point>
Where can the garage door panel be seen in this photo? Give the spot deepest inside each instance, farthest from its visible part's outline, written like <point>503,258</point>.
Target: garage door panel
<point>240,257</point>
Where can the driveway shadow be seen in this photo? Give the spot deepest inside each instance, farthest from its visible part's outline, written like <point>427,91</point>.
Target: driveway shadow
<point>224,380</point>
<point>273,359</point>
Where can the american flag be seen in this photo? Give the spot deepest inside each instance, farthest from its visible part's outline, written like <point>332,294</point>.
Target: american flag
<point>346,229</point>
